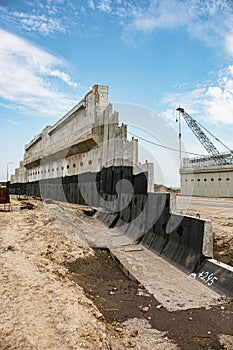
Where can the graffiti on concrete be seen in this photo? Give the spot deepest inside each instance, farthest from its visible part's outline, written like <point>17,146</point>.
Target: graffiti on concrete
<point>205,276</point>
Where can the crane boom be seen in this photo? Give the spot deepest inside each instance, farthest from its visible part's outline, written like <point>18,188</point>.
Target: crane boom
<point>206,143</point>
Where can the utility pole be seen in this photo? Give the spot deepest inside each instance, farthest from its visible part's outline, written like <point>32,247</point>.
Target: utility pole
<point>7,170</point>
<point>180,150</point>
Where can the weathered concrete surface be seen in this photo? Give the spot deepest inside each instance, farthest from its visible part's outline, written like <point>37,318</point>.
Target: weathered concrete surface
<point>216,274</point>
<point>40,306</point>
<point>170,286</point>
<point>207,181</point>
<point>184,241</point>
<point>87,139</point>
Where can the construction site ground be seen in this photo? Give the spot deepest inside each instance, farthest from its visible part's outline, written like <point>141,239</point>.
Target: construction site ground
<point>220,212</point>
<point>59,293</point>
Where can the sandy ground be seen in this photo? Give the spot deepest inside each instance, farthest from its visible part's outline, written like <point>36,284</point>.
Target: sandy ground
<point>51,297</point>
<point>222,225</point>
<point>41,307</point>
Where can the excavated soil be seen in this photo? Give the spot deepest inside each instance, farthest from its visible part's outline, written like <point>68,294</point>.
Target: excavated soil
<point>222,224</point>
<point>58,293</point>
<point>40,306</point>
<point>119,299</point>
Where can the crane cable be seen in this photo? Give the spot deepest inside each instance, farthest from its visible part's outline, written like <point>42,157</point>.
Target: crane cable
<point>217,139</point>
<point>176,150</point>
<point>214,137</point>
<point>162,146</point>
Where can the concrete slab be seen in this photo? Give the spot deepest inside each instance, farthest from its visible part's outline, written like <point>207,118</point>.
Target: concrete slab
<point>170,286</point>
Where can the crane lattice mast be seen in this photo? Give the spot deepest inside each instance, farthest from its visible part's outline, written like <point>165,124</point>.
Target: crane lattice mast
<point>206,143</point>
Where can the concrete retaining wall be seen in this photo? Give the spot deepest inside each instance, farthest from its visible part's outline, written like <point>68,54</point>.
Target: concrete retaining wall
<point>216,275</point>
<point>184,241</point>
<point>86,187</point>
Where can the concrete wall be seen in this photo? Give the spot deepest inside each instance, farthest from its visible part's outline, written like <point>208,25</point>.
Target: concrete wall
<point>212,181</point>
<point>21,174</point>
<point>87,139</point>
<point>147,168</point>
<point>184,241</point>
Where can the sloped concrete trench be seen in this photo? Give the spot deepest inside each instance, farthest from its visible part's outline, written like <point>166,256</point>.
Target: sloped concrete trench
<point>119,299</point>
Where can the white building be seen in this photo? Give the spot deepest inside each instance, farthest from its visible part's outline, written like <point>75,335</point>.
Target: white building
<point>202,177</point>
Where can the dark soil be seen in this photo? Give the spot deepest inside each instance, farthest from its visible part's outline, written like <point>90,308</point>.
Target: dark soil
<point>223,252</point>
<point>119,299</point>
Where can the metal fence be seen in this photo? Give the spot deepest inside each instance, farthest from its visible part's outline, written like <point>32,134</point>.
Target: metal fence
<point>206,161</point>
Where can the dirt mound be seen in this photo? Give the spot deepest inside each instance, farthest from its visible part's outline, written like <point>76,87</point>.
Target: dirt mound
<point>40,306</point>
<point>222,223</point>
<point>59,294</point>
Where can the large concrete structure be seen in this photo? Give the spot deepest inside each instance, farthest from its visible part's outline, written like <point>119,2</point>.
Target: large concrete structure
<point>87,139</point>
<point>201,177</point>
<point>85,158</point>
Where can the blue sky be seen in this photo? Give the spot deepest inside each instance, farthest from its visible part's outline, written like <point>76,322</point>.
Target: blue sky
<point>153,53</point>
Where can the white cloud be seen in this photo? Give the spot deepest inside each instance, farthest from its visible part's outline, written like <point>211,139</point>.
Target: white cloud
<point>91,4</point>
<point>192,100</point>
<point>169,114</point>
<point>161,14</point>
<point>229,44</point>
<point>42,24</point>
<point>210,20</point>
<point>44,19</point>
<point>27,78</point>
<point>63,76</point>
<point>219,102</point>
<point>212,102</point>
<point>105,5</point>
<point>13,122</point>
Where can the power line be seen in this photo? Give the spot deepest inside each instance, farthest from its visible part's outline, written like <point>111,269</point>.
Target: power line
<point>162,146</point>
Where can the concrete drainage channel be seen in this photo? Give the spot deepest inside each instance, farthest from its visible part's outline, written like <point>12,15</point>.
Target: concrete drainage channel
<point>147,287</point>
<point>119,297</point>
<point>184,241</point>
<point>149,243</point>
<point>120,265</point>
